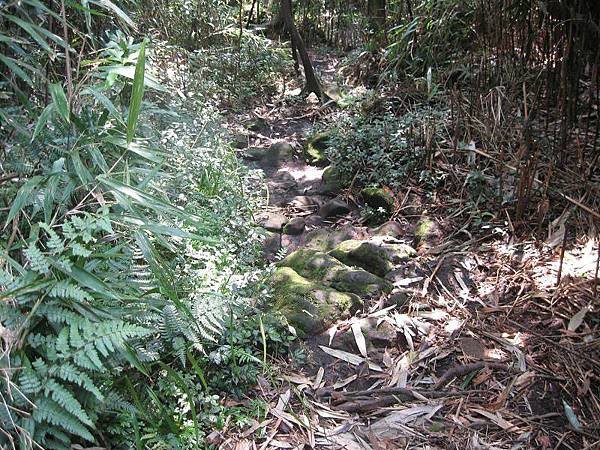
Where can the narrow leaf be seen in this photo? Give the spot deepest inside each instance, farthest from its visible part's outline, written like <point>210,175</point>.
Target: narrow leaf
<point>60,101</point>
<point>42,120</point>
<point>22,197</point>
<point>137,93</point>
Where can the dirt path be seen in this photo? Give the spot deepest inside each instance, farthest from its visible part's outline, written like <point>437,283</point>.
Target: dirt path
<point>443,353</point>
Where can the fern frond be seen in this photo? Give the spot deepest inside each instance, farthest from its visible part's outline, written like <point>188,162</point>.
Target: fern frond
<point>63,397</point>
<point>29,382</point>
<point>57,314</point>
<point>37,261</point>
<point>79,250</point>
<point>67,290</point>
<point>68,372</point>
<point>55,244</point>
<point>53,413</point>
<point>5,278</point>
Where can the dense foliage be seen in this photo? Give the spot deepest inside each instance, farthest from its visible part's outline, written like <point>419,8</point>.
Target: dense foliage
<point>129,289</point>
<point>128,281</point>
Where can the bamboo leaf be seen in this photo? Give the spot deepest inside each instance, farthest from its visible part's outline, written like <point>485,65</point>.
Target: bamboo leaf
<point>129,72</point>
<point>137,93</point>
<point>13,66</point>
<point>90,281</point>
<point>32,31</point>
<point>110,107</point>
<point>60,101</point>
<point>107,4</point>
<point>42,120</point>
<point>22,197</point>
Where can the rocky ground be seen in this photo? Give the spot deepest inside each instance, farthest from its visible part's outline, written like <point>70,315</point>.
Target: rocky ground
<point>416,335</point>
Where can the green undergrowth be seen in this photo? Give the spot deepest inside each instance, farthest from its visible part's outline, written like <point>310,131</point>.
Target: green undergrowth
<point>130,294</point>
<point>386,149</point>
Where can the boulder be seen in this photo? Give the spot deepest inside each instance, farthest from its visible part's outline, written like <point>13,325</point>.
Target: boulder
<point>277,152</point>
<point>316,147</point>
<point>391,228</point>
<point>274,222</point>
<point>325,269</point>
<point>334,207</point>
<point>253,153</point>
<point>257,124</point>
<point>325,239</point>
<point>271,245</point>
<point>378,198</point>
<point>239,141</point>
<point>375,255</point>
<point>309,306</point>
<point>427,234</point>
<point>295,226</point>
<point>283,149</point>
<point>304,203</point>
<point>332,181</point>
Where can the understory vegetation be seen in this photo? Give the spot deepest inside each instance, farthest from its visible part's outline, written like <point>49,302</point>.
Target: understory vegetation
<point>128,275</point>
<point>134,295</point>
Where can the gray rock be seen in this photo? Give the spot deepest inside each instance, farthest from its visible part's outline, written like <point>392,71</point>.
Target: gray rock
<point>304,203</point>
<point>271,245</point>
<point>375,255</point>
<point>257,124</point>
<point>332,208</point>
<point>282,181</point>
<point>295,226</point>
<point>332,181</point>
<point>239,141</point>
<point>391,228</point>
<point>282,149</point>
<point>397,299</point>
<point>253,153</point>
<point>274,222</point>
<point>325,239</point>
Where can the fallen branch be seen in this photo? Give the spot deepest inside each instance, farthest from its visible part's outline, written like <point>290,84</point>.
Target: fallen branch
<point>459,371</point>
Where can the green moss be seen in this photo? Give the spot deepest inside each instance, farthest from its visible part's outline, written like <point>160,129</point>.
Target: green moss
<point>312,264</point>
<point>378,198</point>
<point>316,147</point>
<point>425,227</point>
<point>374,257</point>
<point>307,305</point>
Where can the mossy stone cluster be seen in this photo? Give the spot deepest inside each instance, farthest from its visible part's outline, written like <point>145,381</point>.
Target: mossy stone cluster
<point>316,147</point>
<point>314,287</point>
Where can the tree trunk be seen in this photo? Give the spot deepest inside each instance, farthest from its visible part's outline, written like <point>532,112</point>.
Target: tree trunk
<point>312,83</point>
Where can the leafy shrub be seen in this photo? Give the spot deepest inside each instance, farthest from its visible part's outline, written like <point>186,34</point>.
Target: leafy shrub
<point>385,149</point>
<point>124,246</point>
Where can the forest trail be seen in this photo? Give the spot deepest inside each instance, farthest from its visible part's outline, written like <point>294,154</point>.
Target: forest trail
<point>441,324</point>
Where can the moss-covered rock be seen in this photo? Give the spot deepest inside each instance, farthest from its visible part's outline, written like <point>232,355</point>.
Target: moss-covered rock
<point>427,234</point>
<point>323,268</point>
<point>316,147</point>
<point>378,198</point>
<point>325,239</point>
<point>309,306</point>
<point>332,181</point>
<point>376,255</point>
